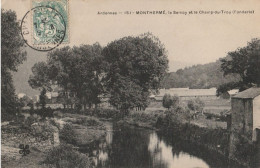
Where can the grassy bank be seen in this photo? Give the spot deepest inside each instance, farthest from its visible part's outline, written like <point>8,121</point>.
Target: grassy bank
<point>201,130</point>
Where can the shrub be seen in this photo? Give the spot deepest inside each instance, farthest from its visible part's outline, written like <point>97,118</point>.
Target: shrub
<point>87,122</point>
<point>64,156</point>
<point>245,150</point>
<point>196,105</point>
<point>67,134</point>
<point>30,120</point>
<point>104,113</point>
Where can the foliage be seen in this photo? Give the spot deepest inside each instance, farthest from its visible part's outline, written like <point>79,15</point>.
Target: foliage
<point>25,101</point>
<point>67,134</point>
<point>77,71</point>
<point>40,77</point>
<point>30,120</point>
<point>64,156</point>
<point>107,113</point>
<point>245,150</point>
<point>217,139</point>
<point>244,62</point>
<point>196,105</point>
<point>135,66</point>
<point>12,54</point>
<point>43,98</point>
<point>167,101</point>
<point>170,101</point>
<point>226,87</point>
<point>142,117</point>
<point>198,77</point>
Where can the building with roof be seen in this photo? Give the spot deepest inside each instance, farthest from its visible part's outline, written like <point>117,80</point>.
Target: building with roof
<point>187,94</point>
<point>21,95</point>
<point>245,108</point>
<point>233,92</point>
<point>245,116</point>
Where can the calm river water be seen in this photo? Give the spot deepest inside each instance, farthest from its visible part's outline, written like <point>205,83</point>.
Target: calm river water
<point>130,147</point>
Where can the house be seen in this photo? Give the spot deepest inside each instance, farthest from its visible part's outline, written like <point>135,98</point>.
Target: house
<point>188,94</point>
<point>21,95</point>
<point>233,92</point>
<point>245,117</point>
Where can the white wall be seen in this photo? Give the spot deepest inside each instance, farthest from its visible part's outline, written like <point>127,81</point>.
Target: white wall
<point>256,116</point>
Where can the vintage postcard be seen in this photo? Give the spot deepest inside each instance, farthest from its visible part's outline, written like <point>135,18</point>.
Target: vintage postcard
<point>130,84</point>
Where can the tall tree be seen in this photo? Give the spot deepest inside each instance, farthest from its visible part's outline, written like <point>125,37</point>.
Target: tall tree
<point>13,54</point>
<point>244,61</point>
<point>142,62</point>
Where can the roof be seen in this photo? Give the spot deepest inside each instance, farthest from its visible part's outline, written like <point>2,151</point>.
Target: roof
<point>233,91</point>
<point>248,94</point>
<point>188,92</point>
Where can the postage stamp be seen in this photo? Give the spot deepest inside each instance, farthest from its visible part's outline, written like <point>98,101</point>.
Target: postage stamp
<point>45,26</point>
<point>61,6</point>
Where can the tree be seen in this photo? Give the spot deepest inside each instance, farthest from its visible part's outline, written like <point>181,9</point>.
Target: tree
<point>245,62</point>
<point>135,66</point>
<point>13,54</point>
<point>40,78</point>
<point>175,101</point>
<point>196,105</point>
<point>167,101</point>
<point>43,98</point>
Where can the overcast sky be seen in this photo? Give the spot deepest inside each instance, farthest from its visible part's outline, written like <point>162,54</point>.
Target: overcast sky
<point>196,38</point>
<point>189,39</point>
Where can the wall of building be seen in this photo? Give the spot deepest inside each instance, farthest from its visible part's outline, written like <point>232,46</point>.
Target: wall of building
<point>256,117</point>
<point>242,116</point>
<point>241,121</point>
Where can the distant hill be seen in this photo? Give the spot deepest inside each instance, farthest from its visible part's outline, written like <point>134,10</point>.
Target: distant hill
<point>198,76</point>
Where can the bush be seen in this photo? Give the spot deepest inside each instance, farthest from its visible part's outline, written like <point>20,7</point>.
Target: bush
<point>87,122</point>
<point>30,120</point>
<point>64,156</point>
<point>67,134</point>
<point>196,105</point>
<point>104,113</point>
<point>245,150</point>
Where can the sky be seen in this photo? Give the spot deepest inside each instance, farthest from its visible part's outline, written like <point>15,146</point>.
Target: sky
<point>189,39</point>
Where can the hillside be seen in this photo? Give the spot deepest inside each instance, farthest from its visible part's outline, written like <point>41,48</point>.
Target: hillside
<point>198,76</point>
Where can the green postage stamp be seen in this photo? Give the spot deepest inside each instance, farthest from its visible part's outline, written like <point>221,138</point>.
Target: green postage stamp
<point>50,21</point>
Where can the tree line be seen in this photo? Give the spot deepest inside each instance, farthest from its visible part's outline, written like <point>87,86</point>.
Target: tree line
<point>239,69</point>
<point>126,71</point>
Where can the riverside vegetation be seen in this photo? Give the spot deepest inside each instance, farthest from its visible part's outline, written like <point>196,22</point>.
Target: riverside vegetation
<point>75,129</point>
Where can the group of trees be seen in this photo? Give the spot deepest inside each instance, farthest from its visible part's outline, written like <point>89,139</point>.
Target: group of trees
<point>77,71</point>
<point>126,70</point>
<point>198,77</point>
<point>244,62</point>
<point>239,69</point>
<point>13,54</point>
<point>169,101</point>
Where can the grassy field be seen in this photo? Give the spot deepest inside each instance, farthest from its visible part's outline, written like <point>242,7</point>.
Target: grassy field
<point>211,106</point>
<point>217,108</point>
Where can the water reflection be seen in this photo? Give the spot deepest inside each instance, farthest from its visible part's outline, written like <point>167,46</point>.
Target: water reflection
<point>161,152</point>
<point>128,147</point>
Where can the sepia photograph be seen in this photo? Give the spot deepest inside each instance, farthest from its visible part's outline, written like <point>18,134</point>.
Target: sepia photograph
<point>130,84</point>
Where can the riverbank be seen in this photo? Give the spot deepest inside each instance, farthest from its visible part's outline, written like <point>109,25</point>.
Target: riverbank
<point>199,131</point>
<point>47,136</point>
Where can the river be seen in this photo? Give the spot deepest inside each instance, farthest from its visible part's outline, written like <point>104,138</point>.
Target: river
<point>131,147</point>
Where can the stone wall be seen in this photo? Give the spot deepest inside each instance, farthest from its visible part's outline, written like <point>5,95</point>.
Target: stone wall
<point>241,122</point>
